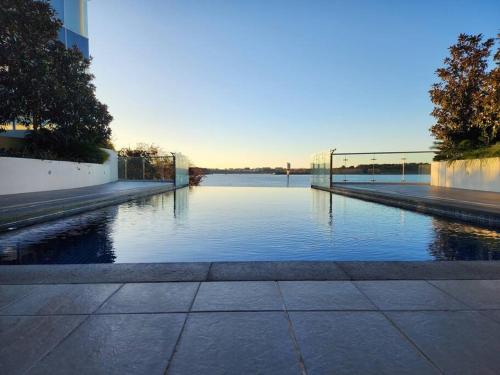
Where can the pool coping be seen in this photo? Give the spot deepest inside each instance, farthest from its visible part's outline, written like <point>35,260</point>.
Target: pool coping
<point>249,271</point>
<point>36,213</point>
<point>463,212</point>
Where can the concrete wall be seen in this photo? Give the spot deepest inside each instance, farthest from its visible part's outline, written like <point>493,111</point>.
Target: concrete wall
<point>475,174</point>
<point>20,175</point>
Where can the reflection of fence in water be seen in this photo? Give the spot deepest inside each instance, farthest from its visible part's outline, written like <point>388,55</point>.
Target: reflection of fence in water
<point>383,167</point>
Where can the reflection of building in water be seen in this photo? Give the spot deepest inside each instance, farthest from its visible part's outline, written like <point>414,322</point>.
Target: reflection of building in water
<point>458,241</point>
<point>83,238</point>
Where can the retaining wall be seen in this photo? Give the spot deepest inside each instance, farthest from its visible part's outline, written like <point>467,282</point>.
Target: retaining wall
<point>20,175</point>
<point>474,174</point>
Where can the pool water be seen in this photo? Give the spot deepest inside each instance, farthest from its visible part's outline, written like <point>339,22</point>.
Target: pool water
<point>213,223</point>
<point>270,180</point>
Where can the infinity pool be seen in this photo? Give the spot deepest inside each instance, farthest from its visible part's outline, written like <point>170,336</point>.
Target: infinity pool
<point>247,223</point>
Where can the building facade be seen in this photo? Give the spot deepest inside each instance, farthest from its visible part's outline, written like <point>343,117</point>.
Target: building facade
<point>74,32</point>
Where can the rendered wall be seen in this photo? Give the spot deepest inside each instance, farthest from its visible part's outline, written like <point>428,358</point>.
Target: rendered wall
<point>475,174</point>
<point>20,175</point>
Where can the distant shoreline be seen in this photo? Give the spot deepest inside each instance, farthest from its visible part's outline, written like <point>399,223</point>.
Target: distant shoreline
<point>361,169</point>
<point>309,174</point>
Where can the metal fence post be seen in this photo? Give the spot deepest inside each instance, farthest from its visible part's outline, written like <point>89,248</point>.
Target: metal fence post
<point>143,169</point>
<point>175,168</point>
<point>163,169</point>
<point>125,167</point>
<point>331,167</point>
<point>373,168</point>
<point>403,177</point>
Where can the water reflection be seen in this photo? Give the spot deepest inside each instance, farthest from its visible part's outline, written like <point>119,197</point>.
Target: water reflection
<point>322,207</point>
<point>181,202</point>
<point>448,241</point>
<point>454,241</point>
<point>231,224</point>
<point>85,238</point>
<point>79,239</point>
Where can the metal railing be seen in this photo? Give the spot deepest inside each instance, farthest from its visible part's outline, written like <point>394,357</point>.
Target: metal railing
<point>329,168</point>
<point>171,168</point>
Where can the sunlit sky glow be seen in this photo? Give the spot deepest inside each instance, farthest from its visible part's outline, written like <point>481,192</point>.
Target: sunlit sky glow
<point>260,83</point>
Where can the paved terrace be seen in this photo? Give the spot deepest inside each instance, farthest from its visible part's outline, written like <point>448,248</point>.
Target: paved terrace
<point>19,210</point>
<point>251,318</point>
<point>477,207</point>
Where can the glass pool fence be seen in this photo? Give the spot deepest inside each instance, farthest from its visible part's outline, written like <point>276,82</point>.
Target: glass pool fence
<point>171,168</point>
<point>330,167</point>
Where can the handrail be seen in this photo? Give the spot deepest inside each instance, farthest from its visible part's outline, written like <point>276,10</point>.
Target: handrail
<point>324,172</point>
<point>383,152</point>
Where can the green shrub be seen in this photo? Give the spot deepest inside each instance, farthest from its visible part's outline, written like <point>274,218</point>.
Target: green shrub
<point>47,145</point>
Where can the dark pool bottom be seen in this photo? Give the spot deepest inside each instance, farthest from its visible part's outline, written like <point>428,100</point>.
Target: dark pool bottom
<point>247,224</point>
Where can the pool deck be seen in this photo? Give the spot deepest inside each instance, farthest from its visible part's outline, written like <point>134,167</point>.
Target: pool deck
<point>476,207</point>
<point>20,210</point>
<point>251,317</point>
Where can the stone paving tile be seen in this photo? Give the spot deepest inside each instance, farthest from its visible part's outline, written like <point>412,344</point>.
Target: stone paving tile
<point>116,344</point>
<point>235,271</point>
<point>11,293</point>
<point>478,294</point>
<point>235,343</point>
<point>26,339</point>
<point>61,299</point>
<point>238,295</point>
<point>151,298</point>
<point>362,342</point>
<point>408,295</point>
<point>458,342</point>
<point>323,295</point>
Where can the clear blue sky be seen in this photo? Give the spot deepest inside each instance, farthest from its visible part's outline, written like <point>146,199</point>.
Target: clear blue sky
<point>258,83</point>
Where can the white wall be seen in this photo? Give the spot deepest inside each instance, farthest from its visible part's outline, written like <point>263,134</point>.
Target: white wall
<point>19,175</point>
<point>475,174</point>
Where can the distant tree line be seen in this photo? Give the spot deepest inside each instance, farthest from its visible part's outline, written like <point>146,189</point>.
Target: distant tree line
<point>47,87</point>
<point>467,101</point>
<point>261,170</point>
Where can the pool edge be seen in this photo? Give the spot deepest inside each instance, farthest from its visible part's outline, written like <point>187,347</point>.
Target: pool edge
<point>249,271</point>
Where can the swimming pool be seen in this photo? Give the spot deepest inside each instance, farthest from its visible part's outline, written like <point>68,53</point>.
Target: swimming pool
<point>247,223</point>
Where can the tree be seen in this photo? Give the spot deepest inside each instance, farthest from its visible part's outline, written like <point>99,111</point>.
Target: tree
<point>46,86</point>
<point>464,106</point>
<point>489,121</point>
<point>28,30</point>
<point>196,175</point>
<point>142,150</point>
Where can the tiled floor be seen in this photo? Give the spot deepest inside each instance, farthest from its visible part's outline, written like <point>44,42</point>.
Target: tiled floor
<point>252,327</point>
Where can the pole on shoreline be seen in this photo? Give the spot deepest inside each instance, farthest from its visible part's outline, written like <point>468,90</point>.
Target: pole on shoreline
<point>287,174</point>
